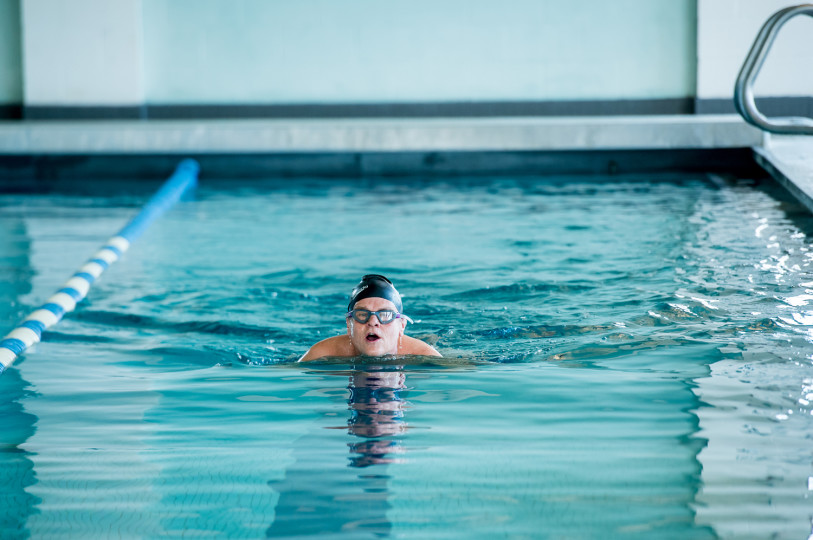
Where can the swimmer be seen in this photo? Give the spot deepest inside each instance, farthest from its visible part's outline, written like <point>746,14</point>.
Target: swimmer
<point>375,325</point>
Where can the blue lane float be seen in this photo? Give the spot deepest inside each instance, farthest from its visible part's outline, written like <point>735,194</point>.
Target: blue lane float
<point>29,331</point>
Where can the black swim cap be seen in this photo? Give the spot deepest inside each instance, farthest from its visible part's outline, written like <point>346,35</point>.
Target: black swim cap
<point>375,286</point>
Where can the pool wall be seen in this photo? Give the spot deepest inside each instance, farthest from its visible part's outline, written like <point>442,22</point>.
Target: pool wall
<point>407,88</point>
<point>152,59</point>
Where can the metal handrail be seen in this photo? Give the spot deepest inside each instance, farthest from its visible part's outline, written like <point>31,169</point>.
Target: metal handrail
<point>744,88</point>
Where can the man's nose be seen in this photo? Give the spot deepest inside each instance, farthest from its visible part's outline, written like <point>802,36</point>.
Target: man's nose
<point>373,320</point>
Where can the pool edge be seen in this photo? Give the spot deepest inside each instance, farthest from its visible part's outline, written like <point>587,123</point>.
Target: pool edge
<point>789,160</point>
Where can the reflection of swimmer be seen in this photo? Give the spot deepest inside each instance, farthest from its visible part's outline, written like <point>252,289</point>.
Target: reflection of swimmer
<point>326,493</point>
<point>377,410</point>
<point>375,325</point>
<point>321,498</point>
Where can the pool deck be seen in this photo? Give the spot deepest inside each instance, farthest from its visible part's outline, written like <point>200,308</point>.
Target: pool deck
<point>789,159</point>
<point>248,136</point>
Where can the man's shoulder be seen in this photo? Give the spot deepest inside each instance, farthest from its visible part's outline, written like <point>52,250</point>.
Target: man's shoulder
<point>332,346</point>
<point>419,348</point>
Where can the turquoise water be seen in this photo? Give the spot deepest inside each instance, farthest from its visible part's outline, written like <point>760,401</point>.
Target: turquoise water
<point>625,358</point>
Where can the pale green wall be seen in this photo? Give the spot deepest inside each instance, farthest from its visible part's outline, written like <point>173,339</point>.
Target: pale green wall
<point>11,80</point>
<point>726,31</point>
<point>326,51</point>
<point>83,53</point>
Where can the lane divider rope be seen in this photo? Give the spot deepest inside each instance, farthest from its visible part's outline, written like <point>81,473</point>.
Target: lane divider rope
<point>29,331</point>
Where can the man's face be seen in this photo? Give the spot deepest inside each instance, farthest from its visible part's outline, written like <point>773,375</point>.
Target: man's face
<point>373,338</point>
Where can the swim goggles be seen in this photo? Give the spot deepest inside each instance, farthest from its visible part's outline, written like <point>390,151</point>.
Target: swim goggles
<point>385,316</point>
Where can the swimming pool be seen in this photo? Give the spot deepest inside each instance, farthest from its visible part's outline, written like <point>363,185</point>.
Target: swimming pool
<point>626,357</point>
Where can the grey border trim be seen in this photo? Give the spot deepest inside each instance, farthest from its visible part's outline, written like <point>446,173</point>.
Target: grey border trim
<point>11,112</point>
<point>83,113</point>
<point>44,172</point>
<point>429,110</point>
<point>678,106</point>
<point>771,106</point>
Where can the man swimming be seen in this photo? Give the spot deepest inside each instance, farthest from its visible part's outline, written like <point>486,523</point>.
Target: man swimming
<point>375,325</point>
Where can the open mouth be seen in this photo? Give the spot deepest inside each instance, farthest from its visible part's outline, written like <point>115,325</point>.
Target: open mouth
<point>373,338</point>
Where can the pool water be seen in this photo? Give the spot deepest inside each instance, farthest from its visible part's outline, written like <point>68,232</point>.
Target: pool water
<point>624,357</point>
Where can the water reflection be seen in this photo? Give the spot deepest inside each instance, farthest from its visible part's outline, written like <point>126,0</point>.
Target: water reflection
<point>376,414</point>
<point>16,425</point>
<point>328,493</point>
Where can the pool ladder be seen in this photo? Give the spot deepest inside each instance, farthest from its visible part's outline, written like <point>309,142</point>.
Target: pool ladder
<point>744,88</point>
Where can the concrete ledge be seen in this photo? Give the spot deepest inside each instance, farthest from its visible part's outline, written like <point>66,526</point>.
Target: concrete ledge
<point>197,137</point>
<point>789,159</point>
<point>40,155</point>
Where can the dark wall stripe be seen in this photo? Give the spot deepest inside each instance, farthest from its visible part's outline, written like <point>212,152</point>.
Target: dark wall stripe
<point>770,106</point>
<point>11,112</point>
<point>83,113</point>
<point>424,110</point>
<point>369,110</point>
